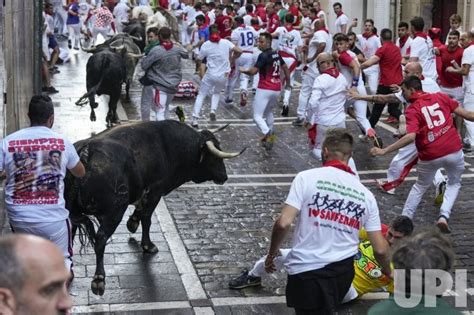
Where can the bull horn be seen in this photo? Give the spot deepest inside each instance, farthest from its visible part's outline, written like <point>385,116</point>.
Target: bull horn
<point>89,50</point>
<point>139,38</point>
<point>221,154</point>
<point>135,55</point>
<point>117,47</point>
<point>219,129</point>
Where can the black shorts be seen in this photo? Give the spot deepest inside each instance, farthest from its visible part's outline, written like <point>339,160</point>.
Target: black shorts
<point>321,290</point>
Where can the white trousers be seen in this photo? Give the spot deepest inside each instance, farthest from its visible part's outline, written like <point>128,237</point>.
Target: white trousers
<point>360,108</point>
<point>104,31</point>
<point>213,85</point>
<point>258,270</point>
<point>75,34</point>
<point>454,166</point>
<point>456,93</point>
<point>321,131</point>
<point>60,18</point>
<point>290,63</point>
<point>263,104</point>
<point>58,232</point>
<point>157,100</point>
<point>245,61</point>
<point>469,105</point>
<point>402,159</point>
<point>307,82</point>
<point>372,76</point>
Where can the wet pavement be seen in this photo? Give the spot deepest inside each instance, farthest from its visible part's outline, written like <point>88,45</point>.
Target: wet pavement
<point>206,234</point>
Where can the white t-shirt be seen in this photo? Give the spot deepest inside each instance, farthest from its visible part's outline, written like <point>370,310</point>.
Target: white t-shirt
<point>241,11</point>
<point>217,55</point>
<point>468,59</point>
<point>245,37</point>
<point>288,41</point>
<point>347,71</point>
<point>212,17</point>
<point>319,37</point>
<point>423,49</point>
<point>333,206</point>
<point>327,100</point>
<point>35,161</point>
<point>404,50</point>
<point>369,46</point>
<point>121,12</point>
<point>340,22</point>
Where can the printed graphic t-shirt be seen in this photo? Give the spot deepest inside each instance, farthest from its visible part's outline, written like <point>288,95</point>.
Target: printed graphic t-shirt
<point>35,161</point>
<point>333,206</point>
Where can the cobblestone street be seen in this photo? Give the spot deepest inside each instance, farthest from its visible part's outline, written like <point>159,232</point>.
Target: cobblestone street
<point>207,234</point>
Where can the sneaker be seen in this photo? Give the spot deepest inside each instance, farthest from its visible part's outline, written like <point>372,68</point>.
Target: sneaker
<point>243,99</point>
<point>244,281</point>
<point>54,71</point>
<point>391,120</point>
<point>402,125</point>
<point>229,101</point>
<point>440,189</point>
<point>268,140</point>
<point>377,141</point>
<point>254,91</point>
<point>180,113</point>
<point>212,116</point>
<point>194,123</point>
<point>49,90</point>
<point>69,44</point>
<point>298,122</point>
<point>443,225</point>
<point>285,110</point>
<point>380,183</point>
<point>76,48</point>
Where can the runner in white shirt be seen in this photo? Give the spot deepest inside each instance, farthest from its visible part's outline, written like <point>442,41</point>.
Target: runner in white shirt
<point>467,71</point>
<point>120,12</point>
<point>350,68</point>
<point>218,53</point>
<point>329,206</point>
<point>421,48</point>
<point>320,14</point>
<point>342,20</point>
<point>35,160</point>
<point>250,14</point>
<point>289,41</point>
<point>245,37</point>
<point>320,42</point>
<point>404,40</point>
<point>369,42</point>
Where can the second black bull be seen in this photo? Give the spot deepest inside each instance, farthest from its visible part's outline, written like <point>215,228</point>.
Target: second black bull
<point>137,164</point>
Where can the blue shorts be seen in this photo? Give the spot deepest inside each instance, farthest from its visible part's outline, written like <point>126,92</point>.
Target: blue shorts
<point>52,42</point>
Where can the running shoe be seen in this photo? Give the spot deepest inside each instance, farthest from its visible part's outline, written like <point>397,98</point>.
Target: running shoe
<point>391,120</point>
<point>298,122</point>
<point>375,139</point>
<point>443,225</point>
<point>268,140</point>
<point>440,189</point>
<point>380,183</point>
<point>244,281</point>
<point>180,113</point>
<point>285,110</point>
<point>212,116</point>
<point>229,101</point>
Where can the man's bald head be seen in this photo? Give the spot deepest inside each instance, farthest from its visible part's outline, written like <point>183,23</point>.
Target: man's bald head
<point>324,61</point>
<point>318,23</point>
<point>32,276</point>
<point>413,69</point>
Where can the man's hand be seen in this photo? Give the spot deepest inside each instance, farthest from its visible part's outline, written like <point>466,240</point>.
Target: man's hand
<point>242,69</point>
<point>352,93</point>
<point>377,151</point>
<point>270,264</point>
<point>395,88</point>
<point>450,69</point>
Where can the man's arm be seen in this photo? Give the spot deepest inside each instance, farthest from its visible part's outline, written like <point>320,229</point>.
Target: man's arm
<point>78,170</point>
<point>370,62</point>
<point>464,113</point>
<point>250,71</point>
<point>280,229</point>
<point>378,98</point>
<point>319,49</point>
<point>464,70</point>
<point>402,142</point>
<point>236,52</point>
<point>355,69</point>
<point>381,250</point>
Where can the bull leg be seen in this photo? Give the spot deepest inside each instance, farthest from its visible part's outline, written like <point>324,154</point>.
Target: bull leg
<point>112,113</point>
<point>151,203</point>
<point>105,231</point>
<point>93,105</point>
<point>134,220</point>
<point>127,90</point>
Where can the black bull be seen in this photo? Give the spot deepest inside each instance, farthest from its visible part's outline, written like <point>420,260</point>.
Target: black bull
<point>137,164</point>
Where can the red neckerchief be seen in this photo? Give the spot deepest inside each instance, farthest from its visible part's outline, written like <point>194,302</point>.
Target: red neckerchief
<point>242,25</point>
<point>368,35</point>
<point>252,14</point>
<point>403,40</point>
<point>340,13</point>
<point>420,34</point>
<point>416,95</point>
<point>256,27</point>
<point>215,38</point>
<point>339,165</point>
<point>167,44</point>
<point>422,77</point>
<point>333,72</point>
<point>288,27</point>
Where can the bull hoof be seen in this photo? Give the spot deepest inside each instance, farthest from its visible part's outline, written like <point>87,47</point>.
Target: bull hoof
<point>132,224</point>
<point>98,285</point>
<point>95,105</point>
<point>92,117</point>
<point>150,249</point>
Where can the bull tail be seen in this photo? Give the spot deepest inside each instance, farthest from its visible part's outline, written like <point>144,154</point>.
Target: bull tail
<point>83,100</point>
<point>86,231</point>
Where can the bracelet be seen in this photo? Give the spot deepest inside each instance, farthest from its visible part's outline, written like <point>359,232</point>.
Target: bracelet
<point>355,81</point>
